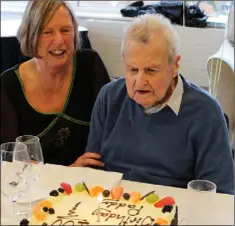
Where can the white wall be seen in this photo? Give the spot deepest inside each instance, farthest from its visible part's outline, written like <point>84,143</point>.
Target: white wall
<point>196,47</point>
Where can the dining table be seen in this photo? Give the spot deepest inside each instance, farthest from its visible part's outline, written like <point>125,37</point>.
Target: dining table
<point>194,208</point>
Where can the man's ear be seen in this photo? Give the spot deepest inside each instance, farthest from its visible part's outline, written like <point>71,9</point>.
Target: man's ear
<point>176,65</point>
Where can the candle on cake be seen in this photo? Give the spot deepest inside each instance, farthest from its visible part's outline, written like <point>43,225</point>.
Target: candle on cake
<point>100,198</point>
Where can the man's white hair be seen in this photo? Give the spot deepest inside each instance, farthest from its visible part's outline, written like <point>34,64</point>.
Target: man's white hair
<point>144,26</point>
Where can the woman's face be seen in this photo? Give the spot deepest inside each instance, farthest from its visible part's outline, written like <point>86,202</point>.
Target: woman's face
<point>56,42</point>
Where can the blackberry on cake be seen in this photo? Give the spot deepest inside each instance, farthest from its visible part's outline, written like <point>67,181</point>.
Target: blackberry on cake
<point>54,193</point>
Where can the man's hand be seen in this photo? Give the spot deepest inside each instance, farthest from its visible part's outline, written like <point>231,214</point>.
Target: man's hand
<point>88,159</point>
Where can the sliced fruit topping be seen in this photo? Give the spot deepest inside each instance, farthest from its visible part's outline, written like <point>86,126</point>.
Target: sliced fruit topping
<point>79,187</point>
<point>40,215</point>
<point>116,192</point>
<point>39,209</point>
<point>164,201</point>
<point>45,203</point>
<point>161,221</point>
<point>151,198</point>
<point>67,187</point>
<point>167,208</point>
<point>135,196</point>
<point>24,222</point>
<point>106,193</point>
<point>36,209</point>
<point>94,191</point>
<point>54,193</point>
<point>126,196</point>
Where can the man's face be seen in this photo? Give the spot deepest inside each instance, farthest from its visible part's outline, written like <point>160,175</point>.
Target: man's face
<point>149,75</point>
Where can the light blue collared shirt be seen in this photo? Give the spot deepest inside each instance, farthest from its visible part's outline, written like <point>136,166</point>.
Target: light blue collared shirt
<point>173,102</point>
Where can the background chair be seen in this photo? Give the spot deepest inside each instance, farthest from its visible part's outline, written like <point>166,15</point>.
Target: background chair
<point>220,68</point>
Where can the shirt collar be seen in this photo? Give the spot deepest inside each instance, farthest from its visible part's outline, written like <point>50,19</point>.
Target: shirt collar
<point>174,101</point>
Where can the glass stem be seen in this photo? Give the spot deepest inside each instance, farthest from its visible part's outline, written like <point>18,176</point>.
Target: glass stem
<point>13,201</point>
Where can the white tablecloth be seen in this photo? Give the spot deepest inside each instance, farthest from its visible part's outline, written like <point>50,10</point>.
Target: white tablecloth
<point>50,178</point>
<point>194,208</point>
<point>215,210</point>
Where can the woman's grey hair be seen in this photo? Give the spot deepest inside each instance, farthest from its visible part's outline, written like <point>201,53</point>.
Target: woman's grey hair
<point>148,25</point>
<point>37,14</point>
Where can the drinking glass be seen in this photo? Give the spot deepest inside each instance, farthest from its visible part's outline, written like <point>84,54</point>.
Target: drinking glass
<point>200,200</point>
<point>15,173</point>
<point>203,186</point>
<point>34,150</point>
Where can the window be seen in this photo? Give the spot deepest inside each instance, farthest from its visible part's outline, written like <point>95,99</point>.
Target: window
<point>211,8</point>
<point>102,6</point>
<point>102,3</point>
<point>216,10</point>
<point>13,5</point>
<point>19,6</point>
<point>107,5</point>
<point>11,10</point>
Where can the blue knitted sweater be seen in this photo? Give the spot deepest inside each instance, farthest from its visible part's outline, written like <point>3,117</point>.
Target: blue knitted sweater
<point>162,148</point>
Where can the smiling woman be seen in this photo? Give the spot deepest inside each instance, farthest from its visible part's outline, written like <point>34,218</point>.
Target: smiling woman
<point>56,89</point>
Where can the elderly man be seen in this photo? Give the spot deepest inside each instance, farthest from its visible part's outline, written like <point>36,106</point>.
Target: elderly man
<point>153,125</point>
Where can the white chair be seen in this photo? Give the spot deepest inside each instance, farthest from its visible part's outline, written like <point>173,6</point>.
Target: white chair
<point>220,68</point>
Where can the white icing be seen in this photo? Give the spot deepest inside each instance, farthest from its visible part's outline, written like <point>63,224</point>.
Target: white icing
<point>120,212</point>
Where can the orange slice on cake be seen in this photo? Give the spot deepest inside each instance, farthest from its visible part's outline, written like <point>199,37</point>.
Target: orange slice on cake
<point>95,191</point>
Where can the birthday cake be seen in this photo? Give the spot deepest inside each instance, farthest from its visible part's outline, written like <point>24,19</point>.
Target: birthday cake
<point>79,205</point>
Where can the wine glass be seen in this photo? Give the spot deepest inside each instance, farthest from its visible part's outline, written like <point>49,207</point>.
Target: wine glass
<point>15,172</point>
<point>34,150</point>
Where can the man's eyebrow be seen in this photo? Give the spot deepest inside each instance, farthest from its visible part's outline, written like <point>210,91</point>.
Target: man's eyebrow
<point>148,66</point>
<point>153,65</point>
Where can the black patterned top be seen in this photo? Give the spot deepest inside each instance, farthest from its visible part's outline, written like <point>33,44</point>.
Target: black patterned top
<point>63,135</point>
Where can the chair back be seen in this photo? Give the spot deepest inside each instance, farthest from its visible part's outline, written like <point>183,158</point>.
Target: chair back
<point>220,67</point>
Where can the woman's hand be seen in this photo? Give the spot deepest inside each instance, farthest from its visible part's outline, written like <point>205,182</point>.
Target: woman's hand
<point>88,159</point>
